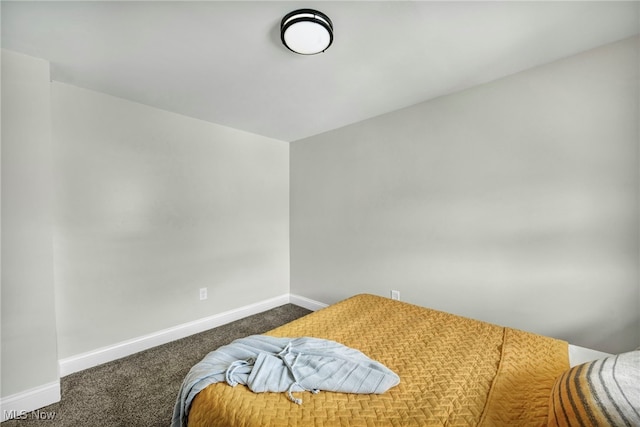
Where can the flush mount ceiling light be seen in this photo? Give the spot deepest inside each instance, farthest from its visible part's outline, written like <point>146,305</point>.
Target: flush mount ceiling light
<point>306,31</point>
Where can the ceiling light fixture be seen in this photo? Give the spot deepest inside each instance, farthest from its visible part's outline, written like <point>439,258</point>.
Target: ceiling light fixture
<point>306,31</point>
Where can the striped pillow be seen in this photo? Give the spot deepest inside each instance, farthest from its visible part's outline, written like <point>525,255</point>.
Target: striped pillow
<point>604,392</point>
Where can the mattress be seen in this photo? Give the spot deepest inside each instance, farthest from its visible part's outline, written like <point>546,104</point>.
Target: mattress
<point>579,355</point>
<point>453,371</point>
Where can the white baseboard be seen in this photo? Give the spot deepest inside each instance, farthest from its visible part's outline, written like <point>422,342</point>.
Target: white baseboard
<point>122,349</point>
<point>21,405</point>
<point>307,303</point>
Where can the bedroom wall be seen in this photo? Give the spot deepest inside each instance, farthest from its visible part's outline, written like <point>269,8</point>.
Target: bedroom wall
<point>28,343</point>
<point>150,206</point>
<point>515,202</point>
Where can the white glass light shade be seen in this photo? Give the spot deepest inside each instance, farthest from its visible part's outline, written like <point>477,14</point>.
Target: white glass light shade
<point>306,31</point>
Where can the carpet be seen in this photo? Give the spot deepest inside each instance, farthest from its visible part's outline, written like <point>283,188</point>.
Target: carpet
<point>141,389</point>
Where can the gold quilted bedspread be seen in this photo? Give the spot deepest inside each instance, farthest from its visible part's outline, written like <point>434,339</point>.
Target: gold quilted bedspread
<point>453,371</point>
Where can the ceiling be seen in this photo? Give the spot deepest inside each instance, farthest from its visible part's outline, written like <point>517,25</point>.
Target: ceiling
<point>223,62</point>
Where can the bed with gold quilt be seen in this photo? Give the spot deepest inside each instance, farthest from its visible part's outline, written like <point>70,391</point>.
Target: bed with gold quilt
<point>453,371</point>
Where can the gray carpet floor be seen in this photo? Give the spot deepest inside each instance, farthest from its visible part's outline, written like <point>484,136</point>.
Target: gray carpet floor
<point>141,389</point>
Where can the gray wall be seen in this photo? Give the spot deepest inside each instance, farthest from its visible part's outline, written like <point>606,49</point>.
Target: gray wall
<point>514,202</point>
<point>150,206</point>
<point>28,345</point>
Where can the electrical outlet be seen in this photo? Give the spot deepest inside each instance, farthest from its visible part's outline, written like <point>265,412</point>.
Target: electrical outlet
<point>203,293</point>
<point>395,295</point>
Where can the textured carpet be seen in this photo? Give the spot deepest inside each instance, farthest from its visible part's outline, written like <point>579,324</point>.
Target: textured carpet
<point>141,389</point>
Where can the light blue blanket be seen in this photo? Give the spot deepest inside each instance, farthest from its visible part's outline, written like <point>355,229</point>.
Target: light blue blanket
<point>270,364</point>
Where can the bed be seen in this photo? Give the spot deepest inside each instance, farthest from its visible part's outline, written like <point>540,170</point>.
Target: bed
<point>453,371</point>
